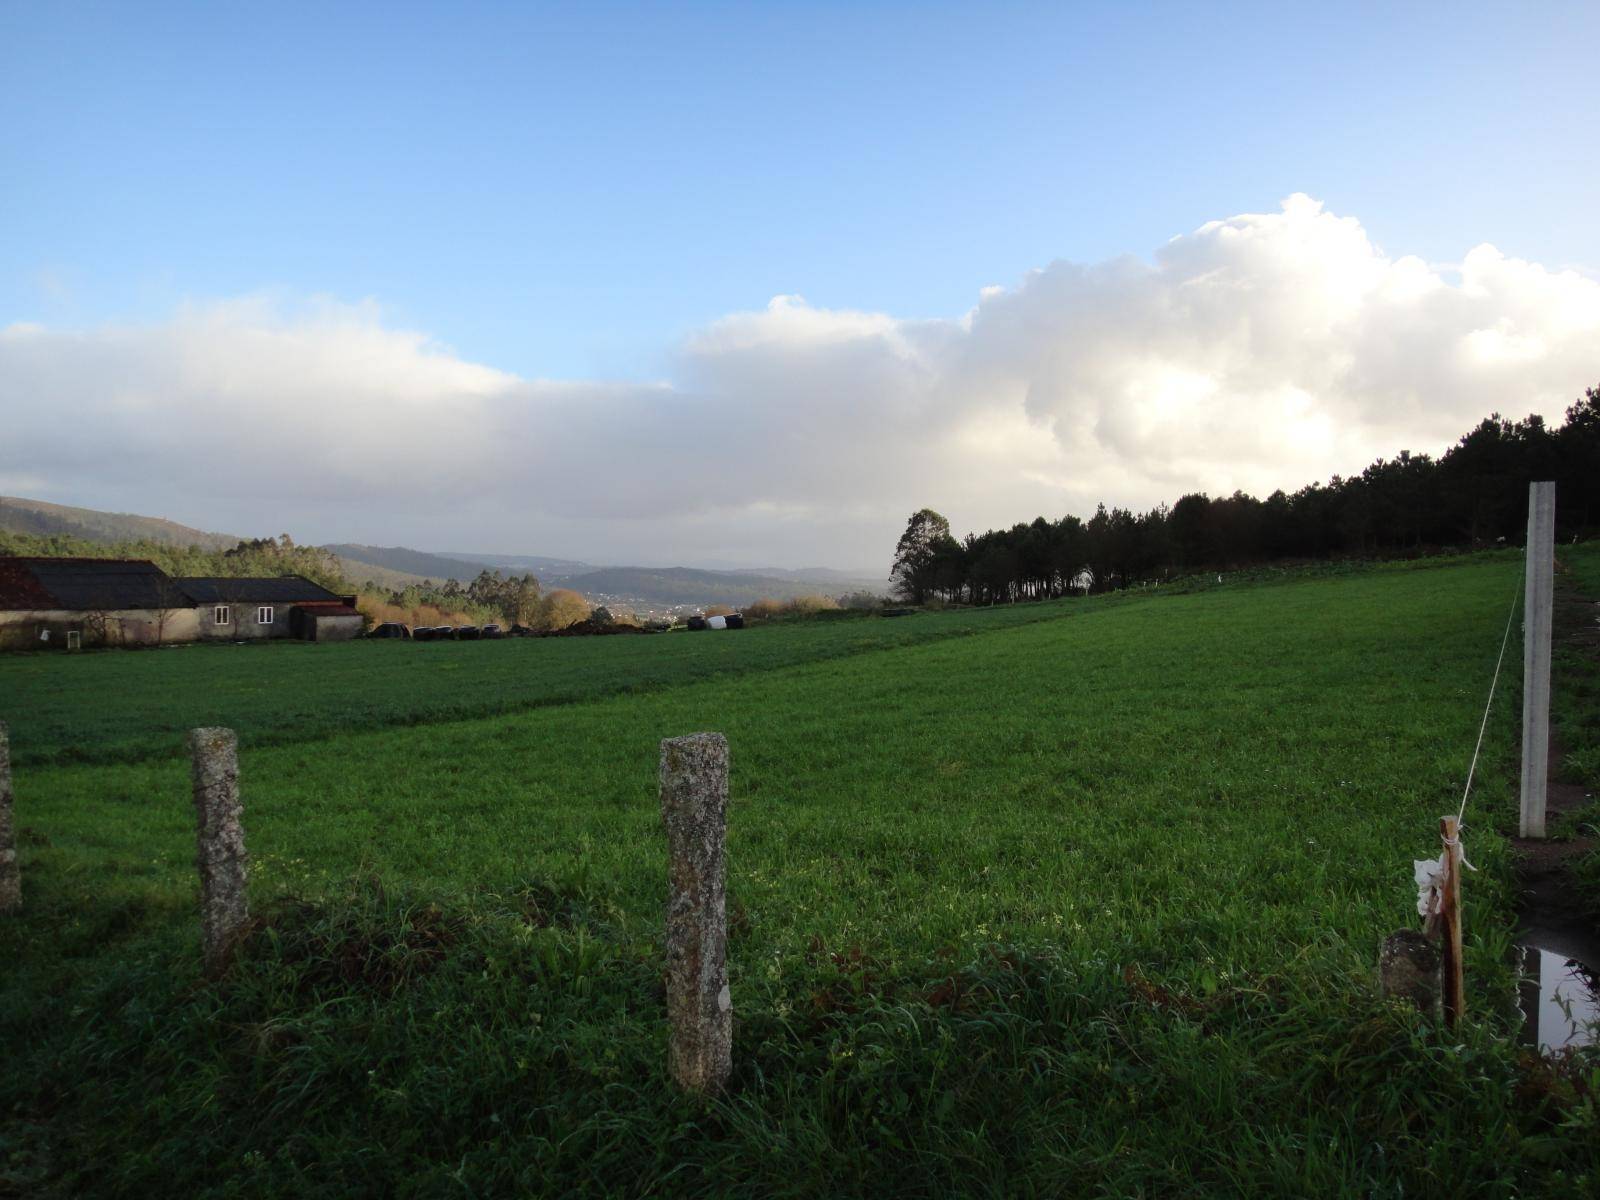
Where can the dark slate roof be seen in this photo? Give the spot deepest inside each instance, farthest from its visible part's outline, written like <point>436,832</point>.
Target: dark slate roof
<point>87,584</point>
<point>283,589</point>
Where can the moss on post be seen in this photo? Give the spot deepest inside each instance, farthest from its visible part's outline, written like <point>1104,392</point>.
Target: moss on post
<point>694,808</point>
<point>221,856</point>
<point>1408,967</point>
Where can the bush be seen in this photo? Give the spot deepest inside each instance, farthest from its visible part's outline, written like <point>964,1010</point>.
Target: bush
<point>805,605</point>
<point>561,608</point>
<point>863,601</point>
<point>377,610</point>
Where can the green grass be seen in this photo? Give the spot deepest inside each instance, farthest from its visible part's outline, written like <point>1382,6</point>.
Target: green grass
<point>1083,902</point>
<point>119,705</point>
<point>1575,684</point>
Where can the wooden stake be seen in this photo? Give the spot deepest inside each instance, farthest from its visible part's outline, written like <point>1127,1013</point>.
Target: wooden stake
<point>1536,619</point>
<point>1455,989</point>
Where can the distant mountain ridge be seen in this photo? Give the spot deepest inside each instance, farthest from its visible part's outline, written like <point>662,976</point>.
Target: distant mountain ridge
<point>519,563</point>
<point>654,585</point>
<point>395,567</point>
<point>43,519</point>
<point>438,567</point>
<point>686,585</point>
<point>814,575</point>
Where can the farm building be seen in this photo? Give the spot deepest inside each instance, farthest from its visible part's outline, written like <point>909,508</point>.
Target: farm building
<point>286,606</point>
<point>132,602</point>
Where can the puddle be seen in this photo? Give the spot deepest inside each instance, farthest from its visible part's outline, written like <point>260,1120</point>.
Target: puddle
<point>1559,1001</point>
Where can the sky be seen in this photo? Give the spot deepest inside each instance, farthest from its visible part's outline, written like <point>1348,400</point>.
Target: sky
<point>751,283</point>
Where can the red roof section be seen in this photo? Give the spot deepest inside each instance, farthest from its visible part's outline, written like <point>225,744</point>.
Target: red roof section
<point>19,589</point>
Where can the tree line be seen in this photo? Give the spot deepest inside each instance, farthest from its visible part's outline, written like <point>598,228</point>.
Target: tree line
<point>253,557</point>
<point>1474,495</point>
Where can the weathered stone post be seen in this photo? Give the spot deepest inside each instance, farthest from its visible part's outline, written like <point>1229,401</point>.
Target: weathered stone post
<point>222,859</point>
<point>1408,967</point>
<point>10,871</point>
<point>694,808</point>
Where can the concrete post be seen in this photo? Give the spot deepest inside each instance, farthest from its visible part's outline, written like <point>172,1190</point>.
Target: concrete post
<point>222,859</point>
<point>10,871</point>
<point>694,808</point>
<point>1536,618</point>
<point>1408,967</point>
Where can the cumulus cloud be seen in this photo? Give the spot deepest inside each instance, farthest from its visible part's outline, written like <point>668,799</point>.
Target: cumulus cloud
<point>1260,351</point>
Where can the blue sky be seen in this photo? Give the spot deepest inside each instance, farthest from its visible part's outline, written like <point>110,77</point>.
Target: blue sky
<point>563,191</point>
<point>546,240</point>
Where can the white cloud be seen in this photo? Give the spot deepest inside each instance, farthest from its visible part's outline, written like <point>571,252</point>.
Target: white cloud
<point>1261,351</point>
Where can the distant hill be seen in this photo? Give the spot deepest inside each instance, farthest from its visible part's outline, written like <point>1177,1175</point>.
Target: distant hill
<point>551,568</point>
<point>383,578</point>
<point>396,567</point>
<point>41,518</point>
<point>418,563</point>
<point>664,586</point>
<point>685,585</point>
<point>826,576</point>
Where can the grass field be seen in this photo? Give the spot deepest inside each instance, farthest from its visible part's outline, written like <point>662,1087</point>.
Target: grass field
<point>116,705</point>
<point>1073,899</point>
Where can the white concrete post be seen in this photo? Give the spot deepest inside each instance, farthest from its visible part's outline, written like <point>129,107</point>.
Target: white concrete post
<point>694,808</point>
<point>1536,619</point>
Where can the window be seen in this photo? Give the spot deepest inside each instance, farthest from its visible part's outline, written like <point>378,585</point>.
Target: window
<point>221,615</point>
<point>264,615</point>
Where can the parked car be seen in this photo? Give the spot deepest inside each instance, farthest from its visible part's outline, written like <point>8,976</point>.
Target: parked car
<point>389,629</point>
<point>493,631</point>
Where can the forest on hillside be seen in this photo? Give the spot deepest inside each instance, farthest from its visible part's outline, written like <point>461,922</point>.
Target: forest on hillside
<point>1474,495</point>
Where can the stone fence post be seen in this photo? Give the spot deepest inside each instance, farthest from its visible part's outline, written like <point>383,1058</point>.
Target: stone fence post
<point>221,857</point>
<point>694,808</point>
<point>1408,967</point>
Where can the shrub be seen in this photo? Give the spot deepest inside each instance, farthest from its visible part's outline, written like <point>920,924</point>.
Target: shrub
<point>561,608</point>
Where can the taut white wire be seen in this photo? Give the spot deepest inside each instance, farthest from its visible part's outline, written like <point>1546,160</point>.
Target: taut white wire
<point>1462,811</point>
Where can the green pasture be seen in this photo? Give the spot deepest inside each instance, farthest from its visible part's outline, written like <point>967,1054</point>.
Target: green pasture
<point>120,705</point>
<point>1069,899</point>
